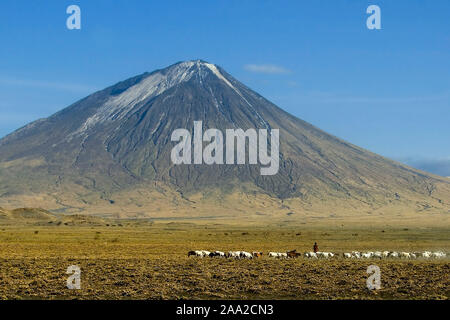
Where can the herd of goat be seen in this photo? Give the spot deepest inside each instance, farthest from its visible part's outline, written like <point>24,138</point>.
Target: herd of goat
<point>320,255</point>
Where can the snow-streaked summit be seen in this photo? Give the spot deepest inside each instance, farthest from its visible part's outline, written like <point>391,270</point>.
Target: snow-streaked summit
<point>117,107</point>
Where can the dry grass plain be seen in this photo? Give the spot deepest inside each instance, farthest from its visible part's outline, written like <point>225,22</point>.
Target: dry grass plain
<point>129,260</point>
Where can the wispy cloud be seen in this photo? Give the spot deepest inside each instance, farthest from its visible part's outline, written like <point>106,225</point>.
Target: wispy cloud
<point>437,166</point>
<point>45,84</point>
<point>328,97</point>
<point>266,68</point>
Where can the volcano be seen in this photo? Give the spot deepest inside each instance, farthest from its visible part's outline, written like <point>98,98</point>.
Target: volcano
<point>109,154</point>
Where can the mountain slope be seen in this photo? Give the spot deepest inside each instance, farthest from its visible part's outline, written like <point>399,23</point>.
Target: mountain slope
<point>110,153</point>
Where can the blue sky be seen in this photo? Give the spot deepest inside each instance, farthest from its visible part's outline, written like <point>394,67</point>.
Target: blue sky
<point>385,90</point>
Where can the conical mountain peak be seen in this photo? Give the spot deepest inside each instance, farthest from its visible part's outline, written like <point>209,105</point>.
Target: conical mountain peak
<point>116,145</point>
<point>119,106</point>
<point>151,85</point>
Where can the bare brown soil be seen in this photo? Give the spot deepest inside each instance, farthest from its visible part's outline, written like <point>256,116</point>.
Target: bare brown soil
<point>151,263</point>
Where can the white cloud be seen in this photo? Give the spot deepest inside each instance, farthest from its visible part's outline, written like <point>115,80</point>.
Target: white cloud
<point>266,68</point>
<point>44,84</point>
<point>439,166</point>
<point>330,97</point>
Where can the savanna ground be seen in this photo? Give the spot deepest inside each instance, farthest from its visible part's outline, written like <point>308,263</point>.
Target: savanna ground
<point>149,261</point>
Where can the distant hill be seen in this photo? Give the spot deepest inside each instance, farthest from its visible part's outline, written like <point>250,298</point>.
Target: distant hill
<point>109,154</point>
<point>37,216</point>
<point>26,215</point>
<point>80,220</point>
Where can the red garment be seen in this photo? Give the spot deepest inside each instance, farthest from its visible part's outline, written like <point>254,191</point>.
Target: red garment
<point>316,248</point>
